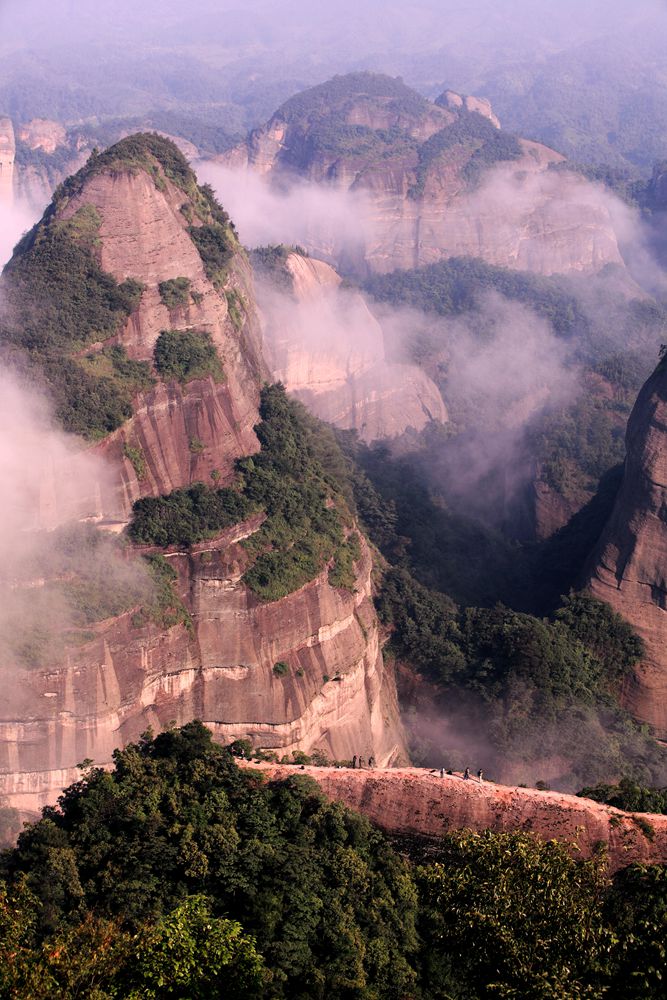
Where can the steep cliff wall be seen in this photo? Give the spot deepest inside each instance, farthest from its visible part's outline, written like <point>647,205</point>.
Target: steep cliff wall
<point>629,569</point>
<point>438,181</point>
<point>137,213</point>
<point>328,349</point>
<point>143,235</point>
<point>337,694</point>
<point>412,802</point>
<point>7,154</point>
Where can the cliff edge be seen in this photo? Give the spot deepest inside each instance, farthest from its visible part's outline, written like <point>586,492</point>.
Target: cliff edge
<point>413,802</point>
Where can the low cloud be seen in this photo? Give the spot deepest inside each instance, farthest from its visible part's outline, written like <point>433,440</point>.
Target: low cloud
<point>59,573</point>
<point>327,221</point>
<point>15,220</point>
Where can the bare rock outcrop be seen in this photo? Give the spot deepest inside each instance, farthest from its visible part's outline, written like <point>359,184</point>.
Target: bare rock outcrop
<point>480,105</point>
<point>144,235</point>
<point>629,568</point>
<point>328,349</point>
<point>41,133</point>
<point>7,156</point>
<point>435,184</point>
<point>337,695</point>
<point>411,802</point>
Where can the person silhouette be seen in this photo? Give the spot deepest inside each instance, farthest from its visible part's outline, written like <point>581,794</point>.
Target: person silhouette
<point>480,775</point>
<point>466,774</point>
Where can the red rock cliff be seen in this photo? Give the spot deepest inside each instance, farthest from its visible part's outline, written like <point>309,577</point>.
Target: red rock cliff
<point>425,197</point>
<point>415,802</point>
<point>124,675</point>
<point>629,568</point>
<point>337,695</point>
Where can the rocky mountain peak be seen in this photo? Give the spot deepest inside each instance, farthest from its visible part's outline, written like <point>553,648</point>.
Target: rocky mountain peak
<point>437,179</point>
<point>132,250</point>
<point>133,300</point>
<point>477,105</point>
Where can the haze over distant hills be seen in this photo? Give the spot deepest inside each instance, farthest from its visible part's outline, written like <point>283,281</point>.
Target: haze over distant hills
<point>592,84</point>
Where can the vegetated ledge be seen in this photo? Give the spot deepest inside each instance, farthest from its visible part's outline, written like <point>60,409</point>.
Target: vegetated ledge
<point>416,803</point>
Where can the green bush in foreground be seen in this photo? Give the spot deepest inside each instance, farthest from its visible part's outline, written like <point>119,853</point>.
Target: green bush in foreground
<point>177,873</point>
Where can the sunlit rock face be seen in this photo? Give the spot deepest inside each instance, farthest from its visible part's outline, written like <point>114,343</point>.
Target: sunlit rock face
<point>143,235</point>
<point>328,349</point>
<point>414,803</point>
<point>337,694</point>
<point>428,197</point>
<point>125,673</point>
<point>629,568</point>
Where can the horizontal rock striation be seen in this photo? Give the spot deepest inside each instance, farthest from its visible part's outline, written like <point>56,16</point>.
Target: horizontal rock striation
<point>337,695</point>
<point>411,802</point>
<point>183,432</point>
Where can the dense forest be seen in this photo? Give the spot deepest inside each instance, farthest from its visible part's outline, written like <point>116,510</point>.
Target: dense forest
<point>178,874</point>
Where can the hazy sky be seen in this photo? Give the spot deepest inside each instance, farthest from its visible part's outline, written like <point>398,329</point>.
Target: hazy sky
<point>352,27</point>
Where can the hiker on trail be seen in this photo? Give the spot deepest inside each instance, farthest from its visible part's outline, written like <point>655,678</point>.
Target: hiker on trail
<point>371,761</point>
<point>480,775</point>
<point>361,762</point>
<point>466,774</point>
<point>354,761</point>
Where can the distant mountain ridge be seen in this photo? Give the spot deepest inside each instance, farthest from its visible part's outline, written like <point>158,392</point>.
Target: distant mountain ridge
<point>440,179</point>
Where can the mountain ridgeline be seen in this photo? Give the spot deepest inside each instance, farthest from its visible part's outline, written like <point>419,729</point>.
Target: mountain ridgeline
<point>431,177</point>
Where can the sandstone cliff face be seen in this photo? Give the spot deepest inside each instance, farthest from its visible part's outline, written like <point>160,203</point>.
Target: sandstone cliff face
<point>337,695</point>
<point>409,802</point>
<point>123,674</point>
<point>328,349</point>
<point>629,569</point>
<point>422,204</point>
<point>143,235</point>
<point>7,154</point>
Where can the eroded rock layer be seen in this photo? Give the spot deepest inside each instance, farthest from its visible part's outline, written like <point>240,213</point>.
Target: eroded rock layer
<point>337,695</point>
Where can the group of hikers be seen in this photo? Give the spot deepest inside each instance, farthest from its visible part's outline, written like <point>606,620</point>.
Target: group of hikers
<point>359,762</point>
<point>466,774</point>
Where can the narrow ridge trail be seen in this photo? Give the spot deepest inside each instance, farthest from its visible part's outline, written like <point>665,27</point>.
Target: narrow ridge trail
<point>415,801</point>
